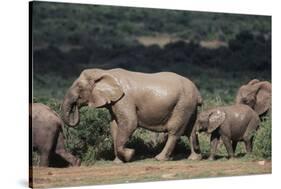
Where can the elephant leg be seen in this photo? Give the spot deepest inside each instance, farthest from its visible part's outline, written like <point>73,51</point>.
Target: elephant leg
<point>214,145</point>
<point>249,145</point>
<point>60,150</point>
<point>228,146</point>
<point>44,159</point>
<point>123,153</point>
<point>125,129</point>
<point>114,129</point>
<point>234,145</point>
<point>194,146</point>
<point>193,139</point>
<point>168,149</point>
<point>126,118</point>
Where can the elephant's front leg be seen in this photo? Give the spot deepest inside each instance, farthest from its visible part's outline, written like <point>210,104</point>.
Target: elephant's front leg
<point>124,131</point>
<point>228,146</point>
<point>114,129</point>
<point>126,120</point>
<point>168,149</point>
<point>214,145</point>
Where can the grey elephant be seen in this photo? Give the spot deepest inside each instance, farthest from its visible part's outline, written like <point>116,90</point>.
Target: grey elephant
<point>231,124</point>
<point>47,137</point>
<point>161,102</point>
<point>257,95</point>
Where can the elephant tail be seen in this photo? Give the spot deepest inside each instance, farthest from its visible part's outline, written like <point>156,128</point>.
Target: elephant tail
<point>199,100</point>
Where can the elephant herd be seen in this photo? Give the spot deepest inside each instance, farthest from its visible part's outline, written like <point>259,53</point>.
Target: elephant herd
<point>161,102</point>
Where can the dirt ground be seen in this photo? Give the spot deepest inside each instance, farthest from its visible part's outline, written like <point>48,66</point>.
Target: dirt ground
<point>147,170</point>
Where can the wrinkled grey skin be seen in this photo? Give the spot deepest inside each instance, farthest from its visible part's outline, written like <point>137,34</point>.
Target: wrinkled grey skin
<point>231,124</point>
<point>257,95</point>
<point>47,137</point>
<point>161,102</point>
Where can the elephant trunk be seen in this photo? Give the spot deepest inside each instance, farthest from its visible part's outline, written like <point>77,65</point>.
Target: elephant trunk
<point>70,112</point>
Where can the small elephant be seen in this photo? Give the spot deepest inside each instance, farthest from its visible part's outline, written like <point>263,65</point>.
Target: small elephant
<point>160,102</point>
<point>230,123</point>
<point>257,95</point>
<point>47,137</point>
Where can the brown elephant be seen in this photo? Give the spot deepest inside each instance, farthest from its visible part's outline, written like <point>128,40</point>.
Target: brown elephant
<point>257,95</point>
<point>47,137</point>
<point>161,102</point>
<point>230,123</point>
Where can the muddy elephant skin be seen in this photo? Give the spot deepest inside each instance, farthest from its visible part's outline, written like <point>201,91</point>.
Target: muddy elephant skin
<point>47,137</point>
<point>231,124</point>
<point>257,95</point>
<point>161,102</point>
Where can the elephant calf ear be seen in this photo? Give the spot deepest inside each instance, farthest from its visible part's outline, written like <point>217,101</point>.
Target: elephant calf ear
<point>253,81</point>
<point>106,90</point>
<point>216,118</point>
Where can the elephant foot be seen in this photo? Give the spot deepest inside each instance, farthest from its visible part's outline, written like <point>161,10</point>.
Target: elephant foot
<point>160,157</point>
<point>231,157</point>
<point>128,154</point>
<point>77,163</point>
<point>195,156</point>
<point>117,161</point>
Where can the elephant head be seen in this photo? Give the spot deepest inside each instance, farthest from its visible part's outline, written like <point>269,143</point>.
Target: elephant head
<point>210,120</point>
<point>256,94</point>
<point>95,88</point>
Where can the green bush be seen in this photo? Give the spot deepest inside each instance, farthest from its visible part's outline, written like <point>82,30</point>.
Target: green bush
<point>90,140</point>
<point>262,140</point>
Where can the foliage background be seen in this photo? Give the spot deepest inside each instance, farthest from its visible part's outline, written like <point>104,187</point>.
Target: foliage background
<point>219,52</point>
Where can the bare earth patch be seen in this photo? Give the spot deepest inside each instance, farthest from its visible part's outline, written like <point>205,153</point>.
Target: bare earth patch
<point>148,170</point>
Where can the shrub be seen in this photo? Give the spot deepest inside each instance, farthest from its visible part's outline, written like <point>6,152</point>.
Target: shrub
<point>262,140</point>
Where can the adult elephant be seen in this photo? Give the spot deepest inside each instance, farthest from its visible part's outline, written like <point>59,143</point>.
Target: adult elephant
<point>257,95</point>
<point>161,102</point>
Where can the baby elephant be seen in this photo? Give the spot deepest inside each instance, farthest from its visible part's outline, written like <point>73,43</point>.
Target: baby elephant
<point>230,123</point>
<point>47,137</point>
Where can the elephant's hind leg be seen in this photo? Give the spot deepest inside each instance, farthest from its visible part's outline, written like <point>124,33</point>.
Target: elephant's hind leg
<point>193,138</point>
<point>249,145</point>
<point>60,150</point>
<point>168,149</point>
<point>176,126</point>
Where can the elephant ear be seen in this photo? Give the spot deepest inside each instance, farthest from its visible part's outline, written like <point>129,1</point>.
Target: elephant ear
<point>263,98</point>
<point>253,81</point>
<point>106,90</point>
<point>216,118</point>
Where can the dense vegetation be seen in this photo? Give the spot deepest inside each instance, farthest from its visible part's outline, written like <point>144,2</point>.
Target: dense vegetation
<point>78,24</point>
<point>68,38</point>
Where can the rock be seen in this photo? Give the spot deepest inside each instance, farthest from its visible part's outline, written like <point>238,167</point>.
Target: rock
<point>261,162</point>
<point>169,176</point>
<point>50,173</point>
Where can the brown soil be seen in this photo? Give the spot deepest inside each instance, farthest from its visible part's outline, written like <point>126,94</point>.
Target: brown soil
<point>148,170</point>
